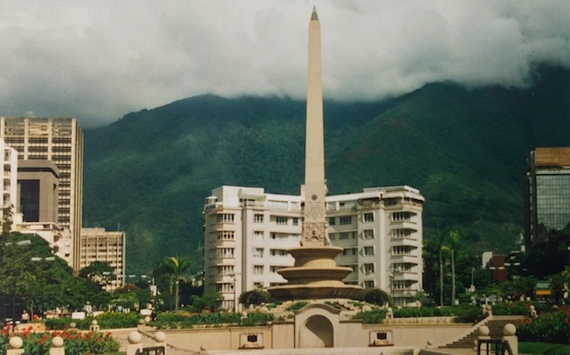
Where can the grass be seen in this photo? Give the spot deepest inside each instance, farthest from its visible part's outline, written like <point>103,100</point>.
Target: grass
<point>543,348</point>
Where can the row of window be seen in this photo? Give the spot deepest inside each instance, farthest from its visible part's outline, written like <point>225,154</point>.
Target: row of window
<point>342,220</point>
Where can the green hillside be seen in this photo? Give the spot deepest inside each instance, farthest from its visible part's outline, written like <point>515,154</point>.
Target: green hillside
<point>149,172</point>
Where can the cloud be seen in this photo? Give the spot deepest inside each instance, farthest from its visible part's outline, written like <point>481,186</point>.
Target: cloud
<point>100,60</point>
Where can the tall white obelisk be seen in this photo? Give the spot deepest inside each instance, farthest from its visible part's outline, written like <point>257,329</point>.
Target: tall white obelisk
<point>314,190</point>
<point>315,274</point>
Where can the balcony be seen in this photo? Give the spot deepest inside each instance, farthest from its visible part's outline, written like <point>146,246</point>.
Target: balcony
<point>404,258</point>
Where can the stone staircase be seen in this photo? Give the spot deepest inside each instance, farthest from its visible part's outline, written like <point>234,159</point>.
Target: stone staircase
<point>495,324</point>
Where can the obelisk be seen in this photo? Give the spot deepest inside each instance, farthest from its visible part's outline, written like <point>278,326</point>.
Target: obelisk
<point>315,274</point>
<point>314,190</point>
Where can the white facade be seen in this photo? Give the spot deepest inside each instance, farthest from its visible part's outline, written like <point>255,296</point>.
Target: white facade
<point>97,244</point>
<point>247,233</point>
<point>10,177</point>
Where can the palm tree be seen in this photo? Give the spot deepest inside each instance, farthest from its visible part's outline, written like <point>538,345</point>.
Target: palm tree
<point>453,240</point>
<point>172,268</point>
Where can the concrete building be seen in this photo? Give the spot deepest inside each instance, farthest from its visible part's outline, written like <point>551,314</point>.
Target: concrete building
<point>547,193</point>
<point>248,232</point>
<point>59,140</point>
<point>9,179</point>
<point>97,244</point>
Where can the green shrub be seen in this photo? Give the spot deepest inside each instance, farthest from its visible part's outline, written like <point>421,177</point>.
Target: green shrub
<point>423,312</point>
<point>373,296</point>
<point>104,320</point>
<point>371,317</point>
<point>519,308</point>
<point>256,318</point>
<point>297,305</point>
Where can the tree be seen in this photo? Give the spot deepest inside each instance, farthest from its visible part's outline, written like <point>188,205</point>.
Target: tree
<point>373,296</point>
<point>452,236</point>
<point>99,272</point>
<point>171,269</point>
<point>254,297</point>
<point>210,300</point>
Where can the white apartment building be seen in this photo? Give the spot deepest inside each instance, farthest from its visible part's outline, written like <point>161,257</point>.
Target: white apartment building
<point>59,140</point>
<point>97,244</point>
<point>247,233</point>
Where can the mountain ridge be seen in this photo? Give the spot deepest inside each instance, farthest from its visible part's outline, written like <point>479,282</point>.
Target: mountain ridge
<point>464,149</point>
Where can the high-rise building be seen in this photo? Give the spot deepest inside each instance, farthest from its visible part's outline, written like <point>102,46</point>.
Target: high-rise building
<point>547,193</point>
<point>247,234</point>
<point>97,244</point>
<point>59,140</point>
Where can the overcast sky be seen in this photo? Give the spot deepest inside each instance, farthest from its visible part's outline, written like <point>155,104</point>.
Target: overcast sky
<point>99,60</point>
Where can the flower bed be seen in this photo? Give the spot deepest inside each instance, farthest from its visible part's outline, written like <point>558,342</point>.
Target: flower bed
<point>75,342</point>
<point>547,327</point>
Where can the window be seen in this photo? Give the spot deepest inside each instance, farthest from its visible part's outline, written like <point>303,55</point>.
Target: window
<point>344,220</point>
<point>226,235</point>
<point>258,218</point>
<point>401,233</point>
<point>258,235</point>
<point>401,216</point>
<point>275,268</point>
<point>225,218</point>
<point>226,252</point>
<point>258,252</point>
<point>332,221</point>
<point>368,284</point>
<point>349,251</point>
<point>225,287</point>
<point>368,233</point>
<point>258,285</point>
<point>402,267</point>
<point>278,252</point>
<point>369,217</point>
<point>401,250</point>
<point>281,220</point>
<point>401,285</point>
<point>368,251</point>
<point>225,270</point>
<point>258,269</point>
<point>369,268</point>
<point>295,221</point>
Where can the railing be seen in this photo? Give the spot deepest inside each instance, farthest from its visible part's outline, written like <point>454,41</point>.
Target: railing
<point>501,346</point>
<point>156,350</point>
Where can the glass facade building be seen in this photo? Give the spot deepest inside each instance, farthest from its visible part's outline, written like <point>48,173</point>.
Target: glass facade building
<point>547,190</point>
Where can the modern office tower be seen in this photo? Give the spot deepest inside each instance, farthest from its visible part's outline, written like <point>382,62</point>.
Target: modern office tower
<point>547,193</point>
<point>9,180</point>
<point>97,244</point>
<point>247,234</point>
<point>59,140</point>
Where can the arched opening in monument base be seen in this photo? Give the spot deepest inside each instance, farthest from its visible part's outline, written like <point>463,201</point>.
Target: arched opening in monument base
<point>318,332</point>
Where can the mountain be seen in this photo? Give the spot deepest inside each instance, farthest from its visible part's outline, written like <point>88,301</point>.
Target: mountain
<point>465,149</point>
